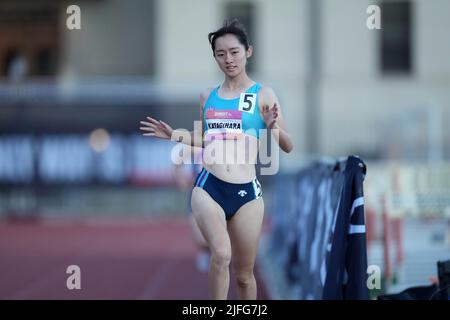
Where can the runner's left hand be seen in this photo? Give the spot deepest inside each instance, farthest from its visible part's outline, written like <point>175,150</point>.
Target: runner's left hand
<point>270,116</point>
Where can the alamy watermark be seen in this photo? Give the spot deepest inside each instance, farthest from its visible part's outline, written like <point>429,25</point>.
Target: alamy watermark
<point>74,20</point>
<point>374,278</point>
<point>374,20</point>
<point>74,280</point>
<point>230,149</point>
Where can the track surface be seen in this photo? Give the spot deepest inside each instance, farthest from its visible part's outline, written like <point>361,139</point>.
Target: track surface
<point>151,259</point>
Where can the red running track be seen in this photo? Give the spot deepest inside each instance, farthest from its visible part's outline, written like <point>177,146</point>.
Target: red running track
<point>148,259</point>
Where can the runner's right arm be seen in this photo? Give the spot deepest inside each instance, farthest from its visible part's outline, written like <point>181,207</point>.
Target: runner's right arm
<point>160,129</point>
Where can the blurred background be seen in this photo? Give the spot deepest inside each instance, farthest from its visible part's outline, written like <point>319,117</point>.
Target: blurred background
<point>77,177</point>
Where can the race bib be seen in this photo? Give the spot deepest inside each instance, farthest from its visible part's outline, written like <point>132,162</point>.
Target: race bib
<point>223,123</point>
<point>247,102</point>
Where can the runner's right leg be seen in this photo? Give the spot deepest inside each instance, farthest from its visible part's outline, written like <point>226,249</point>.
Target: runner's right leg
<point>202,259</point>
<point>211,221</point>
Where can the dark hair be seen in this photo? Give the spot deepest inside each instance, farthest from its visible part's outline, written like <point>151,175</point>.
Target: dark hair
<point>232,26</point>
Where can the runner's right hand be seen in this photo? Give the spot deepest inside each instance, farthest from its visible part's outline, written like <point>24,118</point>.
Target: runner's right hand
<point>156,128</point>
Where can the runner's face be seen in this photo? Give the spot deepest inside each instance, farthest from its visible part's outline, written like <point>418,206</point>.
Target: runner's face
<point>231,55</point>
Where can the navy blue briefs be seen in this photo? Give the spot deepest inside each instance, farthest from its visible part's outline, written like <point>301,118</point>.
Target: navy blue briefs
<point>230,196</point>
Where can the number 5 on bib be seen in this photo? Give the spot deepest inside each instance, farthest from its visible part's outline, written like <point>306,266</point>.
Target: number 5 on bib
<point>247,102</point>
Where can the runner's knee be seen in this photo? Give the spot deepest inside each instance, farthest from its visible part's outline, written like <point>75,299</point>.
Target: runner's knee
<point>243,279</point>
<point>221,256</point>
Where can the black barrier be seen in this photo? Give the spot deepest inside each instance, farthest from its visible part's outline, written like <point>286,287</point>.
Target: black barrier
<point>319,234</point>
<point>430,292</point>
<point>414,293</point>
<point>444,279</point>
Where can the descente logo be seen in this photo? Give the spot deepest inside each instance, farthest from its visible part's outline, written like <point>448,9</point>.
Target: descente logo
<point>242,193</point>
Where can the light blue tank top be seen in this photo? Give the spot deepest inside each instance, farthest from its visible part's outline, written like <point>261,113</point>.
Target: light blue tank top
<point>233,116</point>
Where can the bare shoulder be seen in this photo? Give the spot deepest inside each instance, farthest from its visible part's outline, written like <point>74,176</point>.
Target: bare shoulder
<point>267,96</point>
<point>267,91</point>
<point>204,95</point>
